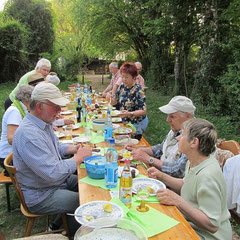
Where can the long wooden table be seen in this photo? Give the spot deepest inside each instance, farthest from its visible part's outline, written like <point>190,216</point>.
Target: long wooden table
<point>87,193</point>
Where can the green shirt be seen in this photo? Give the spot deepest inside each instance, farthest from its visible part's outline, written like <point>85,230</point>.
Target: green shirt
<point>205,189</point>
<point>23,80</point>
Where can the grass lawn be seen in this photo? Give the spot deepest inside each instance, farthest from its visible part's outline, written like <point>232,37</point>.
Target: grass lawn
<point>13,224</point>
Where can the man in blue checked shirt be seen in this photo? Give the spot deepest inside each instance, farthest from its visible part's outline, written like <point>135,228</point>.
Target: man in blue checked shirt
<point>47,181</point>
<point>165,156</point>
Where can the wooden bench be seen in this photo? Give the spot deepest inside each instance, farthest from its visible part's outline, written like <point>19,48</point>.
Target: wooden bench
<point>7,181</point>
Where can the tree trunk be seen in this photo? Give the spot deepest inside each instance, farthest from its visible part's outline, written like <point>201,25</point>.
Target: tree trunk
<point>185,63</point>
<point>177,67</point>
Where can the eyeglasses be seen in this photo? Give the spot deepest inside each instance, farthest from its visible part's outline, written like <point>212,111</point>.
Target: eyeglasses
<point>56,107</point>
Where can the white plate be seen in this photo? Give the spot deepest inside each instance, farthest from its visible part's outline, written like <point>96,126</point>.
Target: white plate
<point>81,139</point>
<point>67,141</point>
<point>115,126</point>
<point>120,169</point>
<point>67,93</point>
<point>66,112</point>
<point>116,120</point>
<point>115,113</point>
<point>143,182</point>
<point>95,209</point>
<point>73,126</point>
<point>59,134</point>
<point>122,130</point>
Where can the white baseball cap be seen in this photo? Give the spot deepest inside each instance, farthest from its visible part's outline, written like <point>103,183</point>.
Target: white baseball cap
<point>178,104</point>
<point>48,91</point>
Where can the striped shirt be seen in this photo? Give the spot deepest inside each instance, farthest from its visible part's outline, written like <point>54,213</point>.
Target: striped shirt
<point>37,156</point>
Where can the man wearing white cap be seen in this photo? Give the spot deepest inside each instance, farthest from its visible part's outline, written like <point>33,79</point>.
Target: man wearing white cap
<point>165,156</point>
<point>47,181</point>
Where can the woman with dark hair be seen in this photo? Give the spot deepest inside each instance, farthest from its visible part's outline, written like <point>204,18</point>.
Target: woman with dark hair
<point>131,98</point>
<point>202,199</point>
<point>12,119</point>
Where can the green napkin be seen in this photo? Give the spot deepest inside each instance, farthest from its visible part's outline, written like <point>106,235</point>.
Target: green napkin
<point>131,126</point>
<point>141,176</point>
<point>150,199</point>
<point>95,138</point>
<point>98,183</point>
<point>153,221</point>
<point>135,162</point>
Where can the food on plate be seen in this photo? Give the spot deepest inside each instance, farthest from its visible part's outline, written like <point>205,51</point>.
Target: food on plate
<point>89,218</point>
<point>107,207</point>
<point>150,189</point>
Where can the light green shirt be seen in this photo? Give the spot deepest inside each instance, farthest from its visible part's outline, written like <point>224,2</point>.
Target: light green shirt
<point>23,80</point>
<point>205,189</point>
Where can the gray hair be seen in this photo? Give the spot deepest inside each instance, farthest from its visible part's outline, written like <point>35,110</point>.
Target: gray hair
<point>204,131</point>
<point>24,93</point>
<point>183,114</point>
<point>53,79</point>
<point>139,64</point>
<point>33,104</point>
<point>113,65</point>
<point>43,62</point>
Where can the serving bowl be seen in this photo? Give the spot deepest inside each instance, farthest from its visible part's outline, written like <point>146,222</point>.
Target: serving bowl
<point>98,124</point>
<point>118,229</point>
<point>95,166</point>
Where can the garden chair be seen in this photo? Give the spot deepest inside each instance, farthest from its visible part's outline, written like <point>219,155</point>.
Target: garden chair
<point>7,181</point>
<point>30,216</point>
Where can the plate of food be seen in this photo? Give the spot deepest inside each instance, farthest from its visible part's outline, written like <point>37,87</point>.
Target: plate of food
<point>122,130</point>
<point>76,126</point>
<point>81,139</point>
<point>59,134</point>
<point>87,212</point>
<point>134,171</point>
<point>66,112</point>
<point>115,126</point>
<point>150,183</point>
<point>115,113</point>
<point>116,120</point>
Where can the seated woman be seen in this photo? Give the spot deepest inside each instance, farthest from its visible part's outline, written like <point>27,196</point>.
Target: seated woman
<point>131,98</point>
<point>12,119</point>
<point>202,198</point>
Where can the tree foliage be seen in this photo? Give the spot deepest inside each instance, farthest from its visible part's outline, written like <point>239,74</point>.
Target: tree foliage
<point>36,17</point>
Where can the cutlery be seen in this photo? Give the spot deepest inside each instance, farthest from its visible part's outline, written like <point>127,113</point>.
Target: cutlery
<point>82,215</point>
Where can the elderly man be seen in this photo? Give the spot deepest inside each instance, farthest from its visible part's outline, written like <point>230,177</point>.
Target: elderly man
<point>139,78</point>
<point>113,68</point>
<point>47,181</point>
<point>43,66</point>
<point>166,156</point>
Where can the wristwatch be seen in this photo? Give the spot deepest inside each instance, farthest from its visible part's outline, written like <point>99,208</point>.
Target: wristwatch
<point>131,114</point>
<point>151,161</point>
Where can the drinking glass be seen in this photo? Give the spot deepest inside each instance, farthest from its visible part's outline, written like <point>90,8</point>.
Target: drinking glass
<point>143,194</point>
<point>68,132</point>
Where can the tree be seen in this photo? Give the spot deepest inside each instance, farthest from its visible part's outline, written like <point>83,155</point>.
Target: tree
<point>36,17</point>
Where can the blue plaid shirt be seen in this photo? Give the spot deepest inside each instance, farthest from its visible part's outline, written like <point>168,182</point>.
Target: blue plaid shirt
<point>37,156</point>
<point>176,168</point>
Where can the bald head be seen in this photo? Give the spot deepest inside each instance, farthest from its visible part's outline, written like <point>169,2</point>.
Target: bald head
<point>139,67</point>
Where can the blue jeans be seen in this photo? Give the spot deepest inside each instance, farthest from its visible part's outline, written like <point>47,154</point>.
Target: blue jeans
<point>61,201</point>
<point>141,126</point>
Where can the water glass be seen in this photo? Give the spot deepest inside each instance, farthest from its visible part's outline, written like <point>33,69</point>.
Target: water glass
<point>68,132</point>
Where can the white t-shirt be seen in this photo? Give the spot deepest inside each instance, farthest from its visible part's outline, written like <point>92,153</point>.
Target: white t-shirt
<point>11,117</point>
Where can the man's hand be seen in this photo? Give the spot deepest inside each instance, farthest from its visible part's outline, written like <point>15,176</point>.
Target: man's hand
<point>168,197</point>
<point>104,94</point>
<point>130,146</point>
<point>139,154</point>
<point>154,173</point>
<point>82,153</point>
<point>68,121</point>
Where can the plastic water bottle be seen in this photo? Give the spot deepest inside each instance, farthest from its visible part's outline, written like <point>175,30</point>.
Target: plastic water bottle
<point>111,166</point>
<point>89,99</point>
<point>85,88</point>
<point>125,191</point>
<point>108,128</point>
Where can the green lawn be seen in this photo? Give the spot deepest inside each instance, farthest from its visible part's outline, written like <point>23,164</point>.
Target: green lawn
<point>13,224</point>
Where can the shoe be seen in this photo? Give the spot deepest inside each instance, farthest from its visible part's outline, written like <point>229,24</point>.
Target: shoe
<point>53,227</point>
